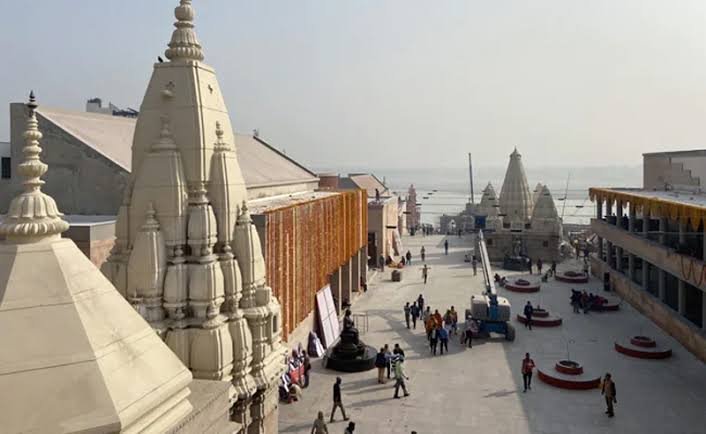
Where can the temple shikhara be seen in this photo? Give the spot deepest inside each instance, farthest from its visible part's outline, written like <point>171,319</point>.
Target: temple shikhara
<point>519,222</point>
<point>187,255</point>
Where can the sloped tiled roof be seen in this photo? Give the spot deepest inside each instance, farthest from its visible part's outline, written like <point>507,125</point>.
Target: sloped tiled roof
<point>111,136</point>
<point>366,181</point>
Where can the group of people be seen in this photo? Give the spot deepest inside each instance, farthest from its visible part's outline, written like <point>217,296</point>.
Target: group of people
<point>319,426</point>
<point>296,376</point>
<point>540,264</point>
<point>439,328</point>
<point>582,300</point>
<point>392,361</point>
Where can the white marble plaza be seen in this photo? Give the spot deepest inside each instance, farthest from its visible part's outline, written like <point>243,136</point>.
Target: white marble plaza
<point>480,389</point>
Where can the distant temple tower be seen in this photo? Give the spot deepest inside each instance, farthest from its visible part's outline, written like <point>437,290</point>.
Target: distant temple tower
<point>187,255</point>
<point>528,223</point>
<point>76,356</point>
<point>515,197</point>
<point>412,209</point>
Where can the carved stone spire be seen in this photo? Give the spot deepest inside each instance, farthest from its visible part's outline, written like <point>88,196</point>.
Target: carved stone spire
<point>32,215</point>
<point>184,45</point>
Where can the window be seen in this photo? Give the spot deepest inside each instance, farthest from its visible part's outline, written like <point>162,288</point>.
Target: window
<point>545,243</point>
<point>6,171</point>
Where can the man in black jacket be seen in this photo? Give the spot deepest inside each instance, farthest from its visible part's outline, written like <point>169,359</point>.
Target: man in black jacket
<point>337,402</point>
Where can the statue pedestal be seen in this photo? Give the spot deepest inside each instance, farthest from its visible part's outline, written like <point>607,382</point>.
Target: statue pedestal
<point>350,354</point>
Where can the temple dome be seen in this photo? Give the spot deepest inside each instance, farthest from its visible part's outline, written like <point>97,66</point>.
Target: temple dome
<point>515,196</point>
<point>545,217</point>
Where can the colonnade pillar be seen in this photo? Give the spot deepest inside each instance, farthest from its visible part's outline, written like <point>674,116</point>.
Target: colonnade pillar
<point>682,298</point>
<point>661,284</point>
<point>645,275</point>
<point>663,230</point>
<point>631,218</point>
<point>631,267</point>
<point>609,254</point>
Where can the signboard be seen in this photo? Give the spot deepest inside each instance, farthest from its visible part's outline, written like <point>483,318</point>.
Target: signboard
<point>328,318</point>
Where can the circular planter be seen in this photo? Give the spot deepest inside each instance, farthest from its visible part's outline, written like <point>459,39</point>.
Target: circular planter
<point>572,277</point>
<point>571,382</point>
<point>641,350</point>
<point>540,313</point>
<point>569,367</point>
<point>521,285</point>
<point>548,321</point>
<point>643,341</point>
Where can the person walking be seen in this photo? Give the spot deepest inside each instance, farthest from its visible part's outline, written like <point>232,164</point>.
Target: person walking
<point>446,247</point>
<point>400,377</point>
<point>337,402</point>
<point>380,364</point>
<point>409,257</point>
<point>307,367</point>
<point>350,428</point>
<point>529,265</point>
<point>423,253</point>
<point>407,312</point>
<point>474,262</point>
<point>398,351</point>
<point>414,312</point>
<point>468,334</point>
<point>319,426</point>
<point>539,265</point>
<point>527,367</point>
<point>553,268</point>
<point>420,303</point>
<point>425,273</point>
<point>443,339</point>
<point>433,337</point>
<point>388,359</point>
<point>608,392</point>
<point>529,310</point>
<point>454,320</point>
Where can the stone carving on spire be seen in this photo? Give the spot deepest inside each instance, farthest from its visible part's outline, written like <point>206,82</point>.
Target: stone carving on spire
<point>32,215</point>
<point>184,45</point>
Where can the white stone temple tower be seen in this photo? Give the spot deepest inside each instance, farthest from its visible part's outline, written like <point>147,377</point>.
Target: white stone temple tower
<point>515,197</point>
<point>187,255</point>
<point>75,357</point>
<point>488,207</point>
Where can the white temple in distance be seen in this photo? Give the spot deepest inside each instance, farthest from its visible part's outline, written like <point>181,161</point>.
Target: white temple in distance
<point>520,222</point>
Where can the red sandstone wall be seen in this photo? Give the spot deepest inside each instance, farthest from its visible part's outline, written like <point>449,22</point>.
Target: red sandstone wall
<point>305,243</point>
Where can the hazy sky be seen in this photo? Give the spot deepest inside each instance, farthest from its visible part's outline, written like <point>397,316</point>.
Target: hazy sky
<point>382,83</point>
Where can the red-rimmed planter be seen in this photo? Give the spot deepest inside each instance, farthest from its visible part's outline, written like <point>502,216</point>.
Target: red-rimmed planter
<point>549,321</point>
<point>540,313</point>
<point>643,341</point>
<point>522,285</point>
<point>572,277</point>
<point>569,367</point>
<point>573,382</point>
<point>641,351</point>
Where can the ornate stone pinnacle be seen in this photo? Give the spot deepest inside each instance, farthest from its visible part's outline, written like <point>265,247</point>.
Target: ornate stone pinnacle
<point>220,145</point>
<point>151,223</point>
<point>166,139</point>
<point>32,215</point>
<point>184,45</point>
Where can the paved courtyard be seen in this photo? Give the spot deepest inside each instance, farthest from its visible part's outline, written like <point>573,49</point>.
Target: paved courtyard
<point>480,389</point>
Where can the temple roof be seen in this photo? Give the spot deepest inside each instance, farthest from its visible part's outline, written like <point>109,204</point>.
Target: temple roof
<point>111,136</point>
<point>545,208</point>
<point>515,196</point>
<point>489,201</point>
<point>78,357</point>
<point>366,181</point>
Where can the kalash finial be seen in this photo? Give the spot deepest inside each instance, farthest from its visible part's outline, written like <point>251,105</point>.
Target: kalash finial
<point>220,145</point>
<point>184,45</point>
<point>33,215</point>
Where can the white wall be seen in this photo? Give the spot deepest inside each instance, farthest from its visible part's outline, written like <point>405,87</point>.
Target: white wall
<point>4,149</point>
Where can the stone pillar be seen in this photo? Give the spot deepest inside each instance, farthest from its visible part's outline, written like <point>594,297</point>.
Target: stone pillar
<point>364,263</point>
<point>346,286</point>
<point>662,230</point>
<point>355,272</point>
<point>618,213</point>
<point>645,223</point>
<point>631,267</point>
<point>619,259</point>
<point>661,285</point>
<point>599,209</point>
<point>631,218</point>
<point>609,254</point>
<point>336,288</point>
<point>645,275</point>
<point>682,232</point>
<point>682,298</point>
<point>600,248</point>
